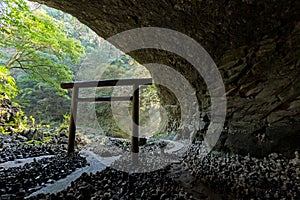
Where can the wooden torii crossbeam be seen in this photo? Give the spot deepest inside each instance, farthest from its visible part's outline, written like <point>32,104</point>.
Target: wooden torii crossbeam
<point>135,83</point>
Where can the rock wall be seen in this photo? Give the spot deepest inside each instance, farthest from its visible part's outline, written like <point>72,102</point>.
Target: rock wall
<point>7,113</point>
<point>255,45</point>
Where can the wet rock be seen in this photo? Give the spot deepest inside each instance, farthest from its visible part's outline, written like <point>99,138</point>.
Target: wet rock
<point>7,111</point>
<point>142,141</point>
<point>22,138</point>
<point>296,160</point>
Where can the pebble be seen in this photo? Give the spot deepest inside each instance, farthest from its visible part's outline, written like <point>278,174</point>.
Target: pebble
<point>122,185</point>
<point>246,177</point>
<point>239,177</point>
<point>16,182</point>
<point>33,176</point>
<point>13,148</point>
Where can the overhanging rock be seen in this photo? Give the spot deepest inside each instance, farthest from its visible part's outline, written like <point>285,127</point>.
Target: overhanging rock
<point>255,44</point>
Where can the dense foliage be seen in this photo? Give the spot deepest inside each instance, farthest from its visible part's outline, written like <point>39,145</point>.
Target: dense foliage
<point>12,119</point>
<point>36,43</point>
<point>8,88</point>
<point>41,47</point>
<point>38,51</point>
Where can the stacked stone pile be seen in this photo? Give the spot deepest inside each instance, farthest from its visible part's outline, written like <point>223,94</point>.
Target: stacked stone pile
<point>245,177</point>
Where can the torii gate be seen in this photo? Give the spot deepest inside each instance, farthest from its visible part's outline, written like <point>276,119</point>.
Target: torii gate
<point>136,83</point>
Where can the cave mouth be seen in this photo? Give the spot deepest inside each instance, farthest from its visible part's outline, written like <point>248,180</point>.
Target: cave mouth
<point>257,61</point>
<point>255,45</point>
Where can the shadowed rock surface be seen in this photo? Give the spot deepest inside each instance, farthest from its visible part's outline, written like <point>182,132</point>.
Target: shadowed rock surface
<point>255,45</point>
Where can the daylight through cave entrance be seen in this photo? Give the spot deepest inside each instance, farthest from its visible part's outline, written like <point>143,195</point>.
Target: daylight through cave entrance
<point>99,118</point>
<point>255,48</point>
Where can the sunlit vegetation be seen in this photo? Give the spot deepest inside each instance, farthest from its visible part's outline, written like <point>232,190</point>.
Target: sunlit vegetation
<point>41,47</point>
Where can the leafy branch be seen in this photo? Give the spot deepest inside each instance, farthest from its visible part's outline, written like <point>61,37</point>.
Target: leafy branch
<point>40,43</point>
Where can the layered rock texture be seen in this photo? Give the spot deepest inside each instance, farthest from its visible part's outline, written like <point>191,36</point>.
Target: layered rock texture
<point>255,44</point>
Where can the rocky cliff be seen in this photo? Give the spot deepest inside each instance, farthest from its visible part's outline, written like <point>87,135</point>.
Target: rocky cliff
<point>8,113</point>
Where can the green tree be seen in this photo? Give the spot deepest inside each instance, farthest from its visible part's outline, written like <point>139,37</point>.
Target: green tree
<point>36,43</point>
<point>8,88</point>
<point>41,101</point>
<point>75,29</point>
